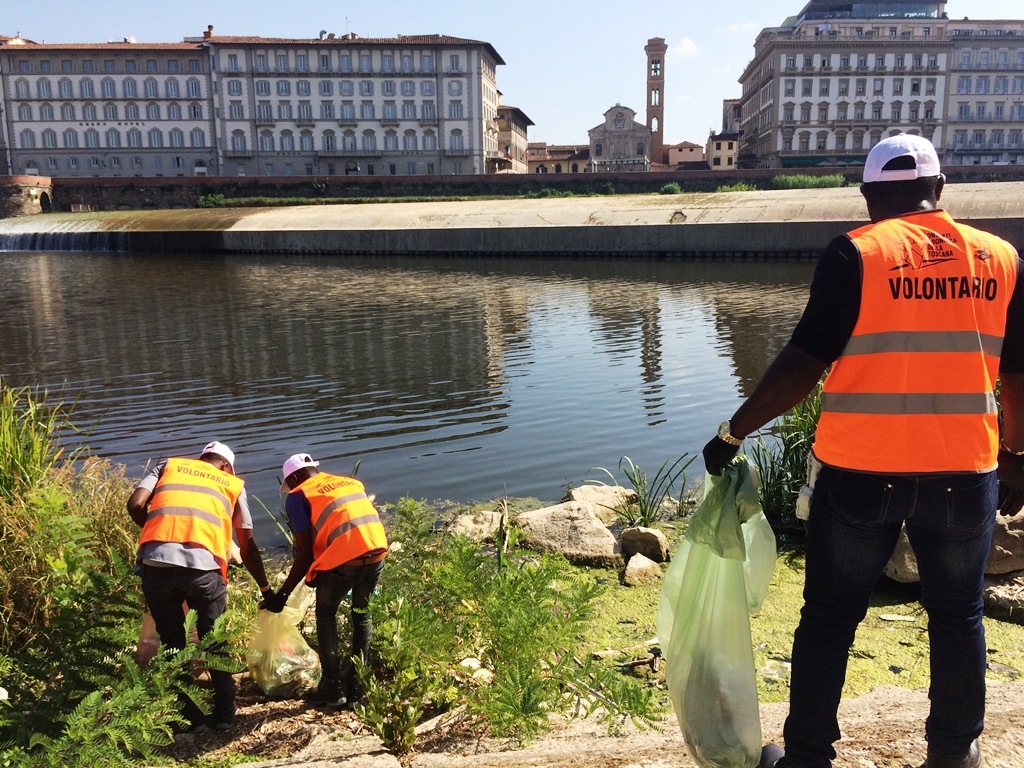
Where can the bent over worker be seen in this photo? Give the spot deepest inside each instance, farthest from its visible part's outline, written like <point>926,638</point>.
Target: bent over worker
<point>187,509</point>
<point>917,315</point>
<point>340,546</point>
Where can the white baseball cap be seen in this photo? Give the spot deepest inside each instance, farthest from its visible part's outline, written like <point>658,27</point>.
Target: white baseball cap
<point>296,462</point>
<point>918,148</point>
<point>219,449</point>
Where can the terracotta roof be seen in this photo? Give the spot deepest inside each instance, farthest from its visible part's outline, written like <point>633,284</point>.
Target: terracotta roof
<point>122,46</point>
<point>355,40</point>
<point>686,145</point>
<point>506,108</point>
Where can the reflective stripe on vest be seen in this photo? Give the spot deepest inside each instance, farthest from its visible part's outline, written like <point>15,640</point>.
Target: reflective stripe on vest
<point>913,390</point>
<point>193,503</point>
<point>345,523</point>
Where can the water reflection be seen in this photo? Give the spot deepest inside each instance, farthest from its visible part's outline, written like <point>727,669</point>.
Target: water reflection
<point>447,378</point>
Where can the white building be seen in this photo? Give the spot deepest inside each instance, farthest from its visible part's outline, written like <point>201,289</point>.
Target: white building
<point>246,106</point>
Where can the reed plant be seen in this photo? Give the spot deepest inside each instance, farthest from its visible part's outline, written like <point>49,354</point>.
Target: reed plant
<point>29,425</point>
<point>807,181</point>
<point>652,495</point>
<point>781,460</point>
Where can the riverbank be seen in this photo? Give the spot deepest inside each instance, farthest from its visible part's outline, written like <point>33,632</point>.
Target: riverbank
<point>764,224</point>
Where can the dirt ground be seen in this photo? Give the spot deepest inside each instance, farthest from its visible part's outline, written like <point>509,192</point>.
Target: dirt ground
<point>883,729</point>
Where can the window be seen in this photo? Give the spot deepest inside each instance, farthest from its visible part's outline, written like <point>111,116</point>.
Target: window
<point>897,87</point>
<point>805,87</point>
<point>155,137</point>
<point>64,88</point>
<point>284,88</point>
<point>348,110</point>
<point>455,110</point>
<point>844,87</point>
<point>67,66</point>
<point>787,113</point>
<point>326,88</point>
<point>261,62</point>
<point>862,61</point>
<point>366,110</point>
<point>915,87</point>
<point>844,61</point>
<point>387,88</point>
<point>365,63</point>
<point>267,141</point>
<point>49,138</point>
<point>306,141</point>
<point>929,87</point>
<point>879,61</point>
<point>426,62</point>
<point>236,111</point>
<point>823,87</point>
<point>1002,85</point>
<point>238,143</point>
<point>86,89</point>
<point>193,65</point>
<point>897,114</point>
<point>408,110</point>
<point>429,140</point>
<point>862,86</point>
<point>92,138</point>
<point>789,88</point>
<point>823,114</point>
<point>284,110</point>
<point>131,89</point>
<point>842,111</point>
<point>262,87</point>
<point>232,62</point>
<point>44,67</point>
<point>282,62</point>
<point>108,89</point>
<point>982,85</point>
<point>427,88</point>
<point>45,112</point>
<point>234,87</point>
<point>369,141</point>
<point>195,90</point>
<point>130,65</point>
<point>287,141</point>
<point>150,88</point>
<point>640,149</point>
<point>43,89</point>
<point>302,88</point>
<point>791,62</point>
<point>429,111</point>
<point>346,62</point>
<point>879,86</point>
<point>24,112</point>
<point>89,112</point>
<point>326,110</point>
<point>366,88</point>
<point>408,88</point>
<point>805,117</point>
<point>152,111</point>
<point>964,111</point>
<point>387,62</point>
<point>981,110</point>
<point>67,112</point>
<point>264,111</point>
<point>390,140</point>
<point>390,111</point>
<point>455,64</point>
<point>917,60</point>
<point>134,137</point>
<point>305,111</point>
<point>71,138</point>
<point>329,141</point>
<point>110,111</point>
<point>21,89</point>
<point>197,137</point>
<point>808,62</point>
<point>407,62</point>
<point>409,141</point>
<point>171,89</point>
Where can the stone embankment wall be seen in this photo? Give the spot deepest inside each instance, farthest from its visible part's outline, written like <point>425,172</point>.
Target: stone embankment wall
<point>24,195</point>
<point>131,193</point>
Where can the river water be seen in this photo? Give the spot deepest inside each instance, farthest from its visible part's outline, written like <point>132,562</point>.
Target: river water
<point>446,379</point>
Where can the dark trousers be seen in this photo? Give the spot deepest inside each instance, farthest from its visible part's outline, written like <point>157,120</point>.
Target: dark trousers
<point>165,589</point>
<point>331,588</point>
<point>852,531</point>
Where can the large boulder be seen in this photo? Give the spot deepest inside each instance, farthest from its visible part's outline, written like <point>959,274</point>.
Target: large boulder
<point>649,542</point>
<point>479,526</point>
<point>607,500</point>
<point>572,529</point>
<point>1006,556</point>
<point>641,570</point>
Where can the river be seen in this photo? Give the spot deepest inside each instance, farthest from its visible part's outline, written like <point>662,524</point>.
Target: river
<point>446,379</point>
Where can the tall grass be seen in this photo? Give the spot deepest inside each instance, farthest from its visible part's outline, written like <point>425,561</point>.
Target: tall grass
<point>781,461</point>
<point>806,181</point>
<point>28,447</point>
<point>651,494</point>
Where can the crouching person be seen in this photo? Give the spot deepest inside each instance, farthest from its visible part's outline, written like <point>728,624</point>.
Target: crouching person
<point>340,546</point>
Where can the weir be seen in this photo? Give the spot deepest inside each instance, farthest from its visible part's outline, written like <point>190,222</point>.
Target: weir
<point>737,225</point>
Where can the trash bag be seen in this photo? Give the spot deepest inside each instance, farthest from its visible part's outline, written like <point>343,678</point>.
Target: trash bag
<point>279,658</point>
<point>717,578</point>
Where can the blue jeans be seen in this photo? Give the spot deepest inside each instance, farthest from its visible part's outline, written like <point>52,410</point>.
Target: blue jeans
<point>853,527</point>
<point>331,588</point>
<point>165,589</point>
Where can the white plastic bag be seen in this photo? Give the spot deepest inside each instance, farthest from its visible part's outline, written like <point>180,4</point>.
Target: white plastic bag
<point>279,658</point>
<point>717,578</point>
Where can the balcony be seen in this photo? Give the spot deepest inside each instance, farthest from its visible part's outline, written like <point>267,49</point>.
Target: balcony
<point>265,120</point>
<point>390,120</point>
<point>238,153</point>
<point>348,120</point>
<point>428,120</point>
<point>456,153</point>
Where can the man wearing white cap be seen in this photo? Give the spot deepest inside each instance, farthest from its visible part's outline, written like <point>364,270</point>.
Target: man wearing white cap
<point>916,316</point>
<point>187,509</point>
<point>340,546</point>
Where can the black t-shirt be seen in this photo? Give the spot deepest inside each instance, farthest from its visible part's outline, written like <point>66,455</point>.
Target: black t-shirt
<point>834,303</point>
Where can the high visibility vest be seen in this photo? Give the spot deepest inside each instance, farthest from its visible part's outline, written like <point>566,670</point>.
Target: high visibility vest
<point>346,525</point>
<point>193,503</point>
<point>913,391</point>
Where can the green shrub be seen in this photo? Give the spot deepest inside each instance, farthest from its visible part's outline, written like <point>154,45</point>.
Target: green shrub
<point>739,186</point>
<point>672,188</point>
<point>446,606</point>
<point>651,496</point>
<point>216,200</point>
<point>803,181</point>
<point>28,439</point>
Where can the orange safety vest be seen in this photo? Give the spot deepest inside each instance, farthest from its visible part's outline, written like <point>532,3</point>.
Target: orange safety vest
<point>345,523</point>
<point>913,391</point>
<point>193,503</point>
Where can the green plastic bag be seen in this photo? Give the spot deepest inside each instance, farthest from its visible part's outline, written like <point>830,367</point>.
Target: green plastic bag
<point>717,578</point>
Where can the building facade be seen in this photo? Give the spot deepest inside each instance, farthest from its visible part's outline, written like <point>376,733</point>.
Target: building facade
<point>829,83</point>
<point>723,151</point>
<point>513,142</point>
<point>557,158</point>
<point>656,51</point>
<point>620,144</point>
<point>252,106</point>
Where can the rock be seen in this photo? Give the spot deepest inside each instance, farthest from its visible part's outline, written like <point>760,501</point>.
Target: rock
<point>607,499</point>
<point>641,570</point>
<point>572,529</point>
<point>1006,556</point>
<point>480,526</point>
<point>1004,597</point>
<point>649,542</point>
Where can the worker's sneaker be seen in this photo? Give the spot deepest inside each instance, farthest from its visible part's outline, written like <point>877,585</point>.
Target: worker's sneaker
<point>330,694</point>
<point>971,760</point>
<point>223,716</point>
<point>772,756</point>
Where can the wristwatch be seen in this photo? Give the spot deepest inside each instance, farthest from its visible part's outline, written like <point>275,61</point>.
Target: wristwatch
<point>725,434</point>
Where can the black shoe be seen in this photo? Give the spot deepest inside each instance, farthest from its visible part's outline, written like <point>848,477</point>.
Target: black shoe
<point>971,760</point>
<point>772,756</point>
<point>223,716</point>
<point>191,727</point>
<point>329,694</point>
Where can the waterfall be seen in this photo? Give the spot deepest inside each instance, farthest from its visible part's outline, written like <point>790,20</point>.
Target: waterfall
<point>117,242</point>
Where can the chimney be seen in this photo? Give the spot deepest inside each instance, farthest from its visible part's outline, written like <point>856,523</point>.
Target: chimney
<point>209,32</point>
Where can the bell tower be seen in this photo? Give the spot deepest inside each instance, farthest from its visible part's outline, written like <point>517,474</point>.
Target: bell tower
<point>656,50</point>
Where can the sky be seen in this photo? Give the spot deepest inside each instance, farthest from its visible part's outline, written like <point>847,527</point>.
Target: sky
<point>567,62</point>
